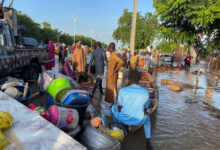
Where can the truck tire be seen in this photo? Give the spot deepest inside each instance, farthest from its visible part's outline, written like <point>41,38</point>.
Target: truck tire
<point>32,72</point>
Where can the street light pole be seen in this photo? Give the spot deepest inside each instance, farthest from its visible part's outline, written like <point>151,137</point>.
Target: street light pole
<point>74,21</point>
<point>133,27</point>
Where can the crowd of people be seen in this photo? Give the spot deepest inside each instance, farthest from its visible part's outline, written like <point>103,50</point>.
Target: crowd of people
<point>124,106</point>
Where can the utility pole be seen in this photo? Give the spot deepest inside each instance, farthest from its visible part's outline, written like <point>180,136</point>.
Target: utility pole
<point>74,21</point>
<point>133,27</point>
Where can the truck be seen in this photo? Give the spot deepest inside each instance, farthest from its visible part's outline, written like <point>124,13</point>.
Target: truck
<point>19,55</point>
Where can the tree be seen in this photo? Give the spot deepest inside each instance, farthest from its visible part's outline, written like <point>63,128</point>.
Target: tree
<point>166,46</point>
<point>188,21</point>
<point>146,29</point>
<point>44,32</point>
<point>32,29</point>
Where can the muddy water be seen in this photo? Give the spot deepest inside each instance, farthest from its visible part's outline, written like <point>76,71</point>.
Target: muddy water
<point>182,121</point>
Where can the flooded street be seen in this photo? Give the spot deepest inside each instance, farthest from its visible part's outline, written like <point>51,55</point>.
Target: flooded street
<point>182,121</point>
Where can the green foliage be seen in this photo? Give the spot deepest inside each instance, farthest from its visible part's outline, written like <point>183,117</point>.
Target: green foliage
<point>44,32</point>
<point>32,29</point>
<point>146,29</point>
<point>189,21</point>
<point>168,47</point>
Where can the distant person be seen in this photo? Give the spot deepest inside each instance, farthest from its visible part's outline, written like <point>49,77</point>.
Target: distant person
<point>51,49</point>
<point>133,61</point>
<point>172,59</point>
<point>63,44</point>
<point>64,54</point>
<point>125,58</point>
<point>114,65</point>
<point>79,61</point>
<point>60,49</point>
<point>41,45</point>
<point>129,57</point>
<point>132,107</point>
<point>188,61</point>
<point>66,70</point>
<point>158,60</point>
<point>148,59</point>
<point>98,57</point>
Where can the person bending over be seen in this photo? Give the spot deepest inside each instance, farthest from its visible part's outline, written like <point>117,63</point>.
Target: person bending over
<point>132,107</point>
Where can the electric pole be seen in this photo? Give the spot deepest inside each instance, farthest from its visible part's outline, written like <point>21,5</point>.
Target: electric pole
<point>74,21</point>
<point>133,27</point>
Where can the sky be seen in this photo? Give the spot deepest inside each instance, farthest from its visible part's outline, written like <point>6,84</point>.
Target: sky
<point>98,18</point>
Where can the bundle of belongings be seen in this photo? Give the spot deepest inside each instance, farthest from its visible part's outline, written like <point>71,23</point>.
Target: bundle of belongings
<point>6,121</point>
<point>17,89</point>
<point>115,133</point>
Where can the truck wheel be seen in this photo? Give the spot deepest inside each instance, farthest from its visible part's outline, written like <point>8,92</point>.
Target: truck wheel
<point>32,72</point>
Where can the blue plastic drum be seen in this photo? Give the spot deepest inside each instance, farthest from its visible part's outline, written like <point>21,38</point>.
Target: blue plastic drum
<point>76,97</point>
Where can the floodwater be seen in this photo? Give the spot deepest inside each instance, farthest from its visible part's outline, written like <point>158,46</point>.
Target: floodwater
<point>182,121</point>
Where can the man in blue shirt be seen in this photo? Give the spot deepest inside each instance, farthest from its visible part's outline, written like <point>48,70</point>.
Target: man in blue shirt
<point>98,57</point>
<point>132,104</point>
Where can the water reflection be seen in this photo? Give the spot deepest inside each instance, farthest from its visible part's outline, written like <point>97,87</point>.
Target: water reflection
<point>177,125</point>
<point>209,91</point>
<point>185,126</point>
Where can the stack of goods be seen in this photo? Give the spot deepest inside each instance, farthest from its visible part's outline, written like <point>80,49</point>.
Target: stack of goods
<point>48,77</point>
<point>6,121</point>
<point>60,87</point>
<point>62,91</point>
<point>64,118</point>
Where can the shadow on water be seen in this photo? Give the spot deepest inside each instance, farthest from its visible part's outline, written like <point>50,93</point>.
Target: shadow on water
<point>178,124</point>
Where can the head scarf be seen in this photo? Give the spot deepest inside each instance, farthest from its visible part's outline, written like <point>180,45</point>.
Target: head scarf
<point>67,62</point>
<point>78,45</point>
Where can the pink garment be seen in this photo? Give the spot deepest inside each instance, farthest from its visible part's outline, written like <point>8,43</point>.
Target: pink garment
<point>66,70</point>
<point>73,48</point>
<point>51,64</point>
